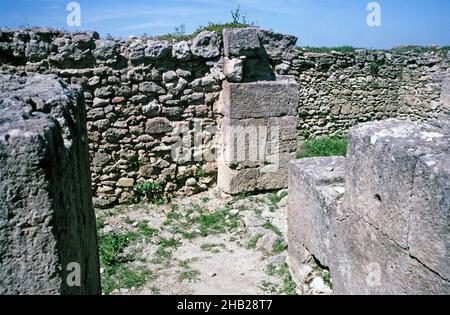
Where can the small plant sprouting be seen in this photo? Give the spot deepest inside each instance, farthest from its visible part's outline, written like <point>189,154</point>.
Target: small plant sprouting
<point>276,198</point>
<point>180,30</point>
<point>238,20</point>
<point>237,17</point>
<point>200,173</point>
<point>213,248</point>
<point>374,67</point>
<point>148,187</point>
<point>326,276</point>
<point>253,241</point>
<point>151,190</point>
<point>136,163</point>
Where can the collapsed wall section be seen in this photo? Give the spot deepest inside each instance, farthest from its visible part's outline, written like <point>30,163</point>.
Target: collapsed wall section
<point>47,222</point>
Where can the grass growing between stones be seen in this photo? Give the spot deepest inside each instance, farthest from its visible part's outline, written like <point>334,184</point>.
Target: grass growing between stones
<point>115,262</point>
<point>326,276</point>
<point>253,241</point>
<point>287,287</point>
<point>197,221</point>
<point>144,245</point>
<point>324,147</point>
<point>275,198</point>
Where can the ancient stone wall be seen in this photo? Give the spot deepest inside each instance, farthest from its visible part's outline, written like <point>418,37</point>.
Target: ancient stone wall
<point>381,226</point>
<point>147,98</point>
<point>47,221</point>
<point>339,90</point>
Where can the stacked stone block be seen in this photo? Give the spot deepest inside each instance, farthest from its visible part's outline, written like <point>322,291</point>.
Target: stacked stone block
<point>259,124</point>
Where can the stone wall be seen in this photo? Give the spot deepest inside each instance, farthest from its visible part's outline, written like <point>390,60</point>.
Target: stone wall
<point>381,226</point>
<point>47,221</point>
<point>339,90</point>
<point>142,94</point>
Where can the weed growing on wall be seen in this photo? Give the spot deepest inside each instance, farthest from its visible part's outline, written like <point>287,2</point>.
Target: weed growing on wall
<point>238,20</point>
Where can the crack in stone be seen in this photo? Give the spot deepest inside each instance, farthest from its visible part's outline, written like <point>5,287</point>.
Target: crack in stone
<point>406,249</point>
<point>428,268</point>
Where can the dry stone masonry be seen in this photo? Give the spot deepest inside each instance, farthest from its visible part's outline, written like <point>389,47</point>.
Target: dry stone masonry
<point>145,97</point>
<point>47,222</point>
<point>339,90</point>
<point>378,219</point>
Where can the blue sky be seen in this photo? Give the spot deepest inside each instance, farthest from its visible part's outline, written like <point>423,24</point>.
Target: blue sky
<point>316,22</point>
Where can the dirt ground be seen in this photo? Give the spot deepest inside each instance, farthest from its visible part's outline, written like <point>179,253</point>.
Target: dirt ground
<point>207,244</point>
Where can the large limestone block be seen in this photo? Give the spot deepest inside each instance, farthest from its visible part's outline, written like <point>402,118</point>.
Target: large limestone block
<point>258,142</point>
<point>395,210</point>
<point>254,42</point>
<point>315,186</point>
<point>47,222</point>
<point>241,42</point>
<point>366,262</point>
<point>260,99</point>
<point>429,235</point>
<point>383,184</point>
<point>269,177</point>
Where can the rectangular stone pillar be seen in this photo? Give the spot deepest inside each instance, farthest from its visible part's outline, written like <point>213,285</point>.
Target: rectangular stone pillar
<point>258,134</point>
<point>48,240</point>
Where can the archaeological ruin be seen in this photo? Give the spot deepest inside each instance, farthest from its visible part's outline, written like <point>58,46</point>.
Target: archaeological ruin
<point>100,123</point>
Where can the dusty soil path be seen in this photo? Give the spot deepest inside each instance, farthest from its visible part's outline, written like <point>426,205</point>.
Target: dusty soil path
<point>210,244</point>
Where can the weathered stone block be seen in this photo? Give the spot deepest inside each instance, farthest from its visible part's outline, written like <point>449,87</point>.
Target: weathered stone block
<point>257,142</point>
<point>382,173</point>
<point>46,217</point>
<point>389,233</point>
<point>206,45</point>
<point>365,261</point>
<point>276,45</point>
<point>260,99</point>
<point>315,185</point>
<point>269,177</point>
<point>241,42</point>
<point>158,125</point>
<point>234,70</point>
<point>254,42</point>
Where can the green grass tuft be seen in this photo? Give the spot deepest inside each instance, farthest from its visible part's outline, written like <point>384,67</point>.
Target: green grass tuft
<point>324,147</point>
<point>113,260</point>
<point>189,275</point>
<point>253,241</point>
<point>125,277</point>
